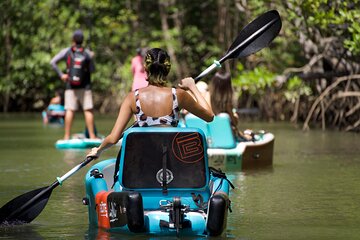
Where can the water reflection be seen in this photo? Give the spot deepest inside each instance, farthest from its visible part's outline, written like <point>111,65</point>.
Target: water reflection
<point>74,156</point>
<point>27,231</point>
<point>234,164</point>
<point>99,234</point>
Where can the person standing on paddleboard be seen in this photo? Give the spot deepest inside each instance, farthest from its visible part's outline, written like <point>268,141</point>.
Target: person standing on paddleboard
<point>80,65</point>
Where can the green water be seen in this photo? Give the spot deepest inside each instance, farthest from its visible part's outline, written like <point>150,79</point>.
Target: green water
<point>311,192</point>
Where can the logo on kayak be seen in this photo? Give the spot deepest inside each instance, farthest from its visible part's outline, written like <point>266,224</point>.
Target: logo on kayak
<point>103,209</point>
<point>160,176</point>
<point>188,148</point>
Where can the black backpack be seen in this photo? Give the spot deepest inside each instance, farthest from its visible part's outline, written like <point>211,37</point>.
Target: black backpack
<point>77,65</point>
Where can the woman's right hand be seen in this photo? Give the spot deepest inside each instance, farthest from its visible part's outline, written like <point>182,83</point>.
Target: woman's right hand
<point>187,83</point>
<point>94,153</point>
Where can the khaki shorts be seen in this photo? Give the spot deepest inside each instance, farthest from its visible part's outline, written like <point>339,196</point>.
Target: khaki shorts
<point>75,96</point>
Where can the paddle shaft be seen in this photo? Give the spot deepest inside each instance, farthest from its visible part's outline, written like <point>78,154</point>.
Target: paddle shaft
<point>61,179</point>
<point>80,165</point>
<point>236,49</point>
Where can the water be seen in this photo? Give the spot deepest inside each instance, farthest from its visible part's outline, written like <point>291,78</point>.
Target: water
<point>311,192</point>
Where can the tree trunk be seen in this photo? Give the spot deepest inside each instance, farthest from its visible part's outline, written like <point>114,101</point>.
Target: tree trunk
<point>7,72</point>
<point>220,30</point>
<point>177,17</point>
<point>167,37</point>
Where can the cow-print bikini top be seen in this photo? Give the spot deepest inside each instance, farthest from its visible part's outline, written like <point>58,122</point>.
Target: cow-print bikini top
<point>145,121</point>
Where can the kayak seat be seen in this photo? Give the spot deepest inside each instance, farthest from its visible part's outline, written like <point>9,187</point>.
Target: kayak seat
<point>148,153</point>
<point>193,121</point>
<point>218,132</point>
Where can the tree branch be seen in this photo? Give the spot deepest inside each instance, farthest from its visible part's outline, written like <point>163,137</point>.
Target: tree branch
<point>325,93</point>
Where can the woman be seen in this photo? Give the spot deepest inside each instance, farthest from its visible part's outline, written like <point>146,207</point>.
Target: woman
<point>221,99</point>
<point>167,101</point>
<point>221,95</point>
<point>138,71</point>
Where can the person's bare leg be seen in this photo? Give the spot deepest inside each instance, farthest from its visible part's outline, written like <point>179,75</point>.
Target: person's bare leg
<point>89,121</point>
<point>69,116</point>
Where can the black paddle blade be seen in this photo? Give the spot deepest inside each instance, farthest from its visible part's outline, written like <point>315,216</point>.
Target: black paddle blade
<point>255,36</point>
<point>252,38</point>
<point>24,208</point>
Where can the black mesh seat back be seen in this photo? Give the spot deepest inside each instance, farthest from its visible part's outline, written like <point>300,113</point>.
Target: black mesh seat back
<point>143,162</point>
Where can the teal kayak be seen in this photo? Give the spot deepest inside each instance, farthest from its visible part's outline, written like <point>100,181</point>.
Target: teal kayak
<point>225,151</point>
<point>164,186</point>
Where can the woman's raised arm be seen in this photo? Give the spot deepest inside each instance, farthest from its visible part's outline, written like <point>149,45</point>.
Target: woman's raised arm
<point>198,107</point>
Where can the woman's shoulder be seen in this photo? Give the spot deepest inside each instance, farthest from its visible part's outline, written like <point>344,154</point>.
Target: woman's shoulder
<point>130,95</point>
<point>129,100</point>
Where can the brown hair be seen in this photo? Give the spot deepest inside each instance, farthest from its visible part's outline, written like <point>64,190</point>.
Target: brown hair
<point>221,92</point>
<point>157,66</point>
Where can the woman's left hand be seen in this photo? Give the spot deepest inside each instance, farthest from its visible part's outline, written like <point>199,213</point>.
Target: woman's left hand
<point>94,153</point>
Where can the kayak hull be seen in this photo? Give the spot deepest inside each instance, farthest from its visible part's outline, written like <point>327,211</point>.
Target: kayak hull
<point>246,155</point>
<point>225,151</point>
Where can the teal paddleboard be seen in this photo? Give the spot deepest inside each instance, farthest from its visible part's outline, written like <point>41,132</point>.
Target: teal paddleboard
<point>78,143</point>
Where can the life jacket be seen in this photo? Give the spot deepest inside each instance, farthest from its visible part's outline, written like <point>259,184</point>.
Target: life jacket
<point>77,65</point>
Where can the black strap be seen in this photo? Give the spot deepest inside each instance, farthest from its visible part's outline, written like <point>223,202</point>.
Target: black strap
<point>199,201</point>
<point>220,174</point>
<point>164,173</point>
<point>69,59</point>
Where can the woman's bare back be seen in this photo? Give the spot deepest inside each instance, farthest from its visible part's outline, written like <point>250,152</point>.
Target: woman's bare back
<point>156,101</point>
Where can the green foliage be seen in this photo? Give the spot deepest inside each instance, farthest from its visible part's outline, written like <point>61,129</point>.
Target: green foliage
<point>333,18</point>
<point>253,81</point>
<point>295,88</point>
<point>353,43</point>
<point>32,32</point>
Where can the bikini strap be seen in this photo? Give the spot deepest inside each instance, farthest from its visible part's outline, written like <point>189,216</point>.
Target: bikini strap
<point>175,101</point>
